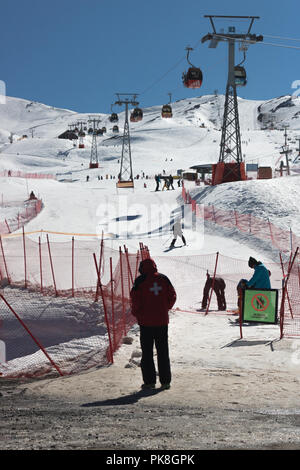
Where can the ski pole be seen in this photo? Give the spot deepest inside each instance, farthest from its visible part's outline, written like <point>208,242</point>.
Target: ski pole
<point>167,241</point>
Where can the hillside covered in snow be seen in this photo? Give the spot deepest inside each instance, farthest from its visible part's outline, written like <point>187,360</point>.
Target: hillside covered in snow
<point>29,142</point>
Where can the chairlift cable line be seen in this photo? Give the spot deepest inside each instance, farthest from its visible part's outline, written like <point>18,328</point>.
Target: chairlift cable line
<point>280,37</point>
<point>168,71</point>
<point>224,37</point>
<point>280,45</point>
<point>248,41</point>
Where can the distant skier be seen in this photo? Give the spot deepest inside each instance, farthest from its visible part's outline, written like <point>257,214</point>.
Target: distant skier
<point>166,183</point>
<point>32,196</point>
<point>171,181</point>
<point>177,231</point>
<point>157,179</point>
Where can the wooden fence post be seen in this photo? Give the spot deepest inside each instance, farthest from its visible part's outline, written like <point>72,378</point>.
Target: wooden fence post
<point>212,284</point>
<point>4,260</point>
<point>51,264</point>
<point>25,264</point>
<point>72,266</point>
<point>122,292</point>
<point>105,311</point>
<point>41,268</point>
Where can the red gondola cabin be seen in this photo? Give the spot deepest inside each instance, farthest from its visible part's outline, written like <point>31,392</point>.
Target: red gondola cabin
<point>193,78</point>
<point>136,115</point>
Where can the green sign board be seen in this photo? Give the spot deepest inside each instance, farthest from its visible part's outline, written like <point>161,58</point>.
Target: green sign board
<point>260,305</point>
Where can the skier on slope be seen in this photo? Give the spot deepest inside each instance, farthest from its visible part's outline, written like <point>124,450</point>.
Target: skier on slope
<point>171,181</point>
<point>177,231</point>
<point>157,179</point>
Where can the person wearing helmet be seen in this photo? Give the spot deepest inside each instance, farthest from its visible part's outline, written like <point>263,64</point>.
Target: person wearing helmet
<point>152,296</point>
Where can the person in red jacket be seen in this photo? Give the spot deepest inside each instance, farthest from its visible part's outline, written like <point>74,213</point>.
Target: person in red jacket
<point>152,296</point>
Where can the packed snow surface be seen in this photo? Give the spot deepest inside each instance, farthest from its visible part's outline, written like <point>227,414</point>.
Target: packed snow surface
<point>88,207</point>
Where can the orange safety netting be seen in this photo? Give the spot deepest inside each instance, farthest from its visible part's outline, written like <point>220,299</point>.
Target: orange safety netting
<point>21,174</point>
<point>31,209</point>
<point>84,321</point>
<point>290,301</point>
<point>88,315</point>
<point>188,274</point>
<point>265,230</point>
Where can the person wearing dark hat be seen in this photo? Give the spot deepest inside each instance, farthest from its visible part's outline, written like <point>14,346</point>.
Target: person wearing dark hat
<point>261,276</point>
<point>259,280</point>
<point>152,296</point>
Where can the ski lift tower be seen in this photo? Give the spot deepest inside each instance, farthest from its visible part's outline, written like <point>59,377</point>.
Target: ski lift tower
<point>230,166</point>
<point>125,177</point>
<point>94,120</point>
<point>81,134</point>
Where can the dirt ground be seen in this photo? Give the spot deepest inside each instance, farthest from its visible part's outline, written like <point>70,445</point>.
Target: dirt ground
<point>207,408</point>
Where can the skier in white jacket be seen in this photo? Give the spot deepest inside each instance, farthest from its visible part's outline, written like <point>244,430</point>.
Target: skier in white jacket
<point>177,232</point>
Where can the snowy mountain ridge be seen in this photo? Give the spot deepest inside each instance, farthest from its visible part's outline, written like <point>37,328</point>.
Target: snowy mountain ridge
<point>191,136</point>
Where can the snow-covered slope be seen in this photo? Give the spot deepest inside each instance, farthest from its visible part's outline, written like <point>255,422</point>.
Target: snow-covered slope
<point>154,139</point>
<point>73,205</point>
<point>191,137</point>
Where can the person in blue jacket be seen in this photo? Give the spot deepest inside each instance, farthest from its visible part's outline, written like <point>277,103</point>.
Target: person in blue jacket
<point>259,280</point>
<point>261,276</point>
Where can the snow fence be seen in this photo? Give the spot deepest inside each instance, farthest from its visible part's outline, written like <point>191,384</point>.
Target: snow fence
<point>264,230</point>
<point>66,305</point>
<point>52,322</point>
<point>285,275</point>
<point>290,300</point>
<point>30,210</point>
<point>21,174</point>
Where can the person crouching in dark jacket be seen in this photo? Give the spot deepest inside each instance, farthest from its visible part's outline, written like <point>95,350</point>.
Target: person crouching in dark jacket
<point>152,296</point>
<point>219,289</point>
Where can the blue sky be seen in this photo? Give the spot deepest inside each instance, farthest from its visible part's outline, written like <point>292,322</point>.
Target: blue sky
<point>78,54</point>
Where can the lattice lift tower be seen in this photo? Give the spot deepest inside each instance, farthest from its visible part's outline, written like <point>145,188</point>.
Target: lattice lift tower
<point>230,166</point>
<point>81,133</point>
<point>125,177</point>
<point>94,120</point>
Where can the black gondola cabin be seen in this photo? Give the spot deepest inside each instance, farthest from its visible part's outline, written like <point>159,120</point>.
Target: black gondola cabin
<point>114,117</point>
<point>166,111</point>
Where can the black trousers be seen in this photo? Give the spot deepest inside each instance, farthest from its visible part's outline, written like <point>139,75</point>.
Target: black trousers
<point>174,240</point>
<point>158,336</point>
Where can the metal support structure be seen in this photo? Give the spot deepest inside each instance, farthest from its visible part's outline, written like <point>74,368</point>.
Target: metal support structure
<point>94,152</point>
<point>298,149</point>
<point>286,151</point>
<point>230,146</point>
<point>81,125</point>
<point>125,177</point>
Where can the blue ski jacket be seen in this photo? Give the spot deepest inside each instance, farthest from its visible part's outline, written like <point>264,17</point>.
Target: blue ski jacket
<point>260,278</point>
